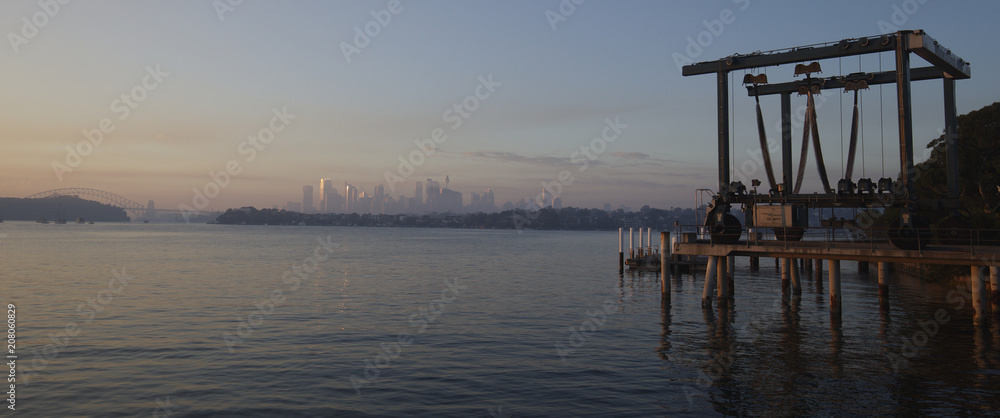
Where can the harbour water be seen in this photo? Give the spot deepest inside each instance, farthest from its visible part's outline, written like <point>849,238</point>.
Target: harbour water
<point>213,320</point>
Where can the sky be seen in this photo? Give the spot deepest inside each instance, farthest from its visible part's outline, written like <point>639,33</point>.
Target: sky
<point>244,102</point>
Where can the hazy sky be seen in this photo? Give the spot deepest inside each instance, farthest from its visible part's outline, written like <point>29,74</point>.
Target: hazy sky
<point>200,77</point>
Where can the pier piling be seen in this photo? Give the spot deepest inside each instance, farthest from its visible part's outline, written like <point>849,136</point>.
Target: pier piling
<point>706,295</point>
<point>731,269</point>
<point>621,252</point>
<point>883,284</point>
<point>796,279</point>
<point>639,245</point>
<point>785,273</point>
<point>631,242</point>
<point>723,280</point>
<point>819,269</point>
<point>978,294</point>
<point>664,275</point>
<point>835,299</point>
<point>994,291</point>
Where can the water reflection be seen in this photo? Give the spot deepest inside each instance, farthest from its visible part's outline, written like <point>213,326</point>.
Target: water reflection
<point>768,354</point>
<point>665,320</point>
<point>836,343</point>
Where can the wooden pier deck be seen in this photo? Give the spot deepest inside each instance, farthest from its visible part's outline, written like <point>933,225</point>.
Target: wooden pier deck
<point>983,261</point>
<point>837,250</point>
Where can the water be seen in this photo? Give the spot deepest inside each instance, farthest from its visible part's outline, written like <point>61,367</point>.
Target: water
<point>438,322</point>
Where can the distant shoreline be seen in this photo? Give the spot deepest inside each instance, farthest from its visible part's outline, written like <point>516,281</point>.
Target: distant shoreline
<point>564,219</point>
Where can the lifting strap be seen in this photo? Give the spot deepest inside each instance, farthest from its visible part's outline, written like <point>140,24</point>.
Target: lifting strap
<point>854,139</point>
<point>765,153</point>
<point>804,154</point>
<point>856,86</point>
<point>820,165</point>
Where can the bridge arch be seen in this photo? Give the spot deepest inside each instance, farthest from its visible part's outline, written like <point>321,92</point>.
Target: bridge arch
<point>135,208</point>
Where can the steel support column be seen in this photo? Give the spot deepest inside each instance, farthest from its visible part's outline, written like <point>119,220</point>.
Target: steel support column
<point>905,112</point>
<point>723,86</point>
<point>951,137</point>
<point>786,141</point>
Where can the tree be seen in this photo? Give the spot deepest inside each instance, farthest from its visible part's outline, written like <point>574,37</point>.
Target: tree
<point>978,162</point>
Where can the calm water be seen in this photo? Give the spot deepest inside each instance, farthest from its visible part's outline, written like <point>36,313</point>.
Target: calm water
<point>394,322</point>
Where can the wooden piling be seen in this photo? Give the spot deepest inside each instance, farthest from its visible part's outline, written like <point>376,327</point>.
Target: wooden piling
<point>754,264</point>
<point>664,275</point>
<point>621,251</point>
<point>883,284</point>
<point>639,246</point>
<point>731,270</point>
<point>796,281</point>
<point>835,299</point>
<point>706,295</point>
<point>723,280</point>
<point>631,241</point>
<point>819,269</point>
<point>994,291</point>
<point>979,303</point>
<point>785,273</point>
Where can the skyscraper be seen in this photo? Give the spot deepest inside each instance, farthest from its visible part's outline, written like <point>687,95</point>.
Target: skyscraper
<point>488,200</point>
<point>350,198</point>
<point>419,193</point>
<point>378,205</point>
<point>307,199</point>
<point>325,187</point>
<point>433,191</point>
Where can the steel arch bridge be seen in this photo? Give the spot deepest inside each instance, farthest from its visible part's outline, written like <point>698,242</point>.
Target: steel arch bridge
<point>102,196</point>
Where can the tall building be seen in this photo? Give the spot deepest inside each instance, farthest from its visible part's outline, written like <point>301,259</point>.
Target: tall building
<point>325,187</point>
<point>307,199</point>
<point>350,198</point>
<point>488,200</point>
<point>449,201</point>
<point>433,191</point>
<point>378,205</point>
<point>419,193</point>
<point>557,203</point>
<point>364,203</point>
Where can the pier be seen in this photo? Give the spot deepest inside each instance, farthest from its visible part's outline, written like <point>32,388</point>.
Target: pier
<point>779,221</point>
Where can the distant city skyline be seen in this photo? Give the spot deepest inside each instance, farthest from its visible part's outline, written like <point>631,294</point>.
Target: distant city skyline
<point>358,200</point>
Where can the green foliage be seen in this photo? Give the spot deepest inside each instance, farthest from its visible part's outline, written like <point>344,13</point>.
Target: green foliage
<point>979,167</point>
